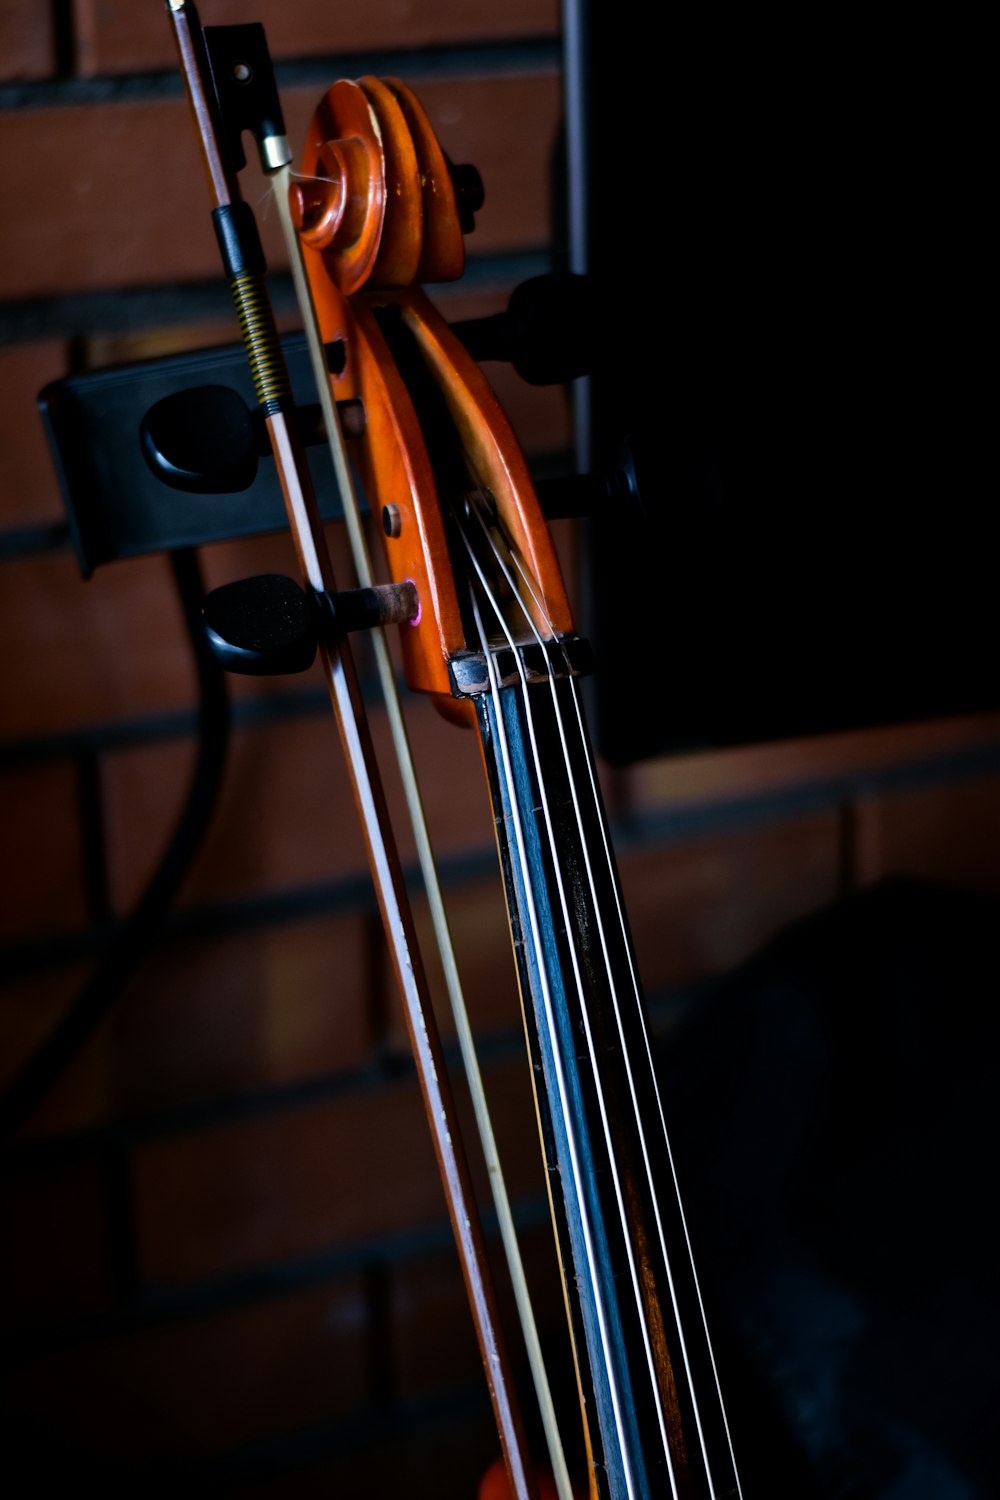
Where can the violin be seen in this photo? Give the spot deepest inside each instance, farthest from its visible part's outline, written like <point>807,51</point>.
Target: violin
<point>470,576</point>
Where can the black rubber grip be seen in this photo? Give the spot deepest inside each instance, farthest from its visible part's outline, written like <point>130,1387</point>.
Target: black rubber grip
<point>239,240</point>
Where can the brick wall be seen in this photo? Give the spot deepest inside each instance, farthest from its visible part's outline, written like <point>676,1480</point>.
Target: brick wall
<point>225,1255</point>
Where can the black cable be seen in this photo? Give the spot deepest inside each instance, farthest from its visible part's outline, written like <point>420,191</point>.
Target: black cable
<point>139,929</point>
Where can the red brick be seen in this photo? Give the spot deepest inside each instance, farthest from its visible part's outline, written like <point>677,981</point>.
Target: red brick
<point>449,768</point>
<point>428,1296</point>
<point>199,1021</point>
<point>273,553</point>
<point>540,415</point>
<point>42,871</point>
<point>136,213</point>
<point>515,1125</point>
<point>205,1019</point>
<point>30,491</point>
<point>947,834</point>
<point>289,1184</point>
<point>700,907</point>
<point>718,774</point>
<point>507,127</point>
<point>285,816</point>
<point>27,40</point>
<point>295,1182</point>
<point>203,1386</point>
<point>125,346</point>
<point>484,955</point>
<point>114,37</point>
<point>55,1252</point>
<point>80,653</point>
<point>94,199</point>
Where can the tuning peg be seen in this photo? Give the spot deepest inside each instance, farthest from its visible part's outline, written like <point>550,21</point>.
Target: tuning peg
<point>469,193</point>
<point>549,332</point>
<point>268,626</point>
<point>203,440</point>
<point>207,441</point>
<point>593,494</point>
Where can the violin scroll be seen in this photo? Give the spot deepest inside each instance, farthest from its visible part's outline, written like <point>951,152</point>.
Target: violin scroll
<point>378,198</point>
<point>421,390</point>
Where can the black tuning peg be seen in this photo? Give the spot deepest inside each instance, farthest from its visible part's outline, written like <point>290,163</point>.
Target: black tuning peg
<point>616,489</point>
<point>268,626</point>
<point>469,194</point>
<point>549,333</point>
<point>207,441</point>
<point>203,440</point>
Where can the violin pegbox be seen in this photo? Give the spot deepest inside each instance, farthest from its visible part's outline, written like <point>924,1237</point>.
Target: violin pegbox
<point>380,208</point>
<point>451,195</point>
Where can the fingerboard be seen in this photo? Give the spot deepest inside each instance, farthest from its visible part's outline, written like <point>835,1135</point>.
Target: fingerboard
<point>645,1364</point>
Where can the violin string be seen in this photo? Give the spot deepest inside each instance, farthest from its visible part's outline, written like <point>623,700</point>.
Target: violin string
<point>583,743</point>
<point>570,931</point>
<point>444,942</point>
<point>314,177</point>
<point>425,855</point>
<point>669,1155</point>
<point>546,996</point>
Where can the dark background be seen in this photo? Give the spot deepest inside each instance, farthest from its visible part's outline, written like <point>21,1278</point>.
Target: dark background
<point>790,229</point>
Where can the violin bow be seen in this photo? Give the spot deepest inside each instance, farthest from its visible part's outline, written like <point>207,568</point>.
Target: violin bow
<point>243,261</point>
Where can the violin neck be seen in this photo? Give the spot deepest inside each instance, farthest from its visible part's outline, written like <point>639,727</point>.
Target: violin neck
<point>642,1352</point>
